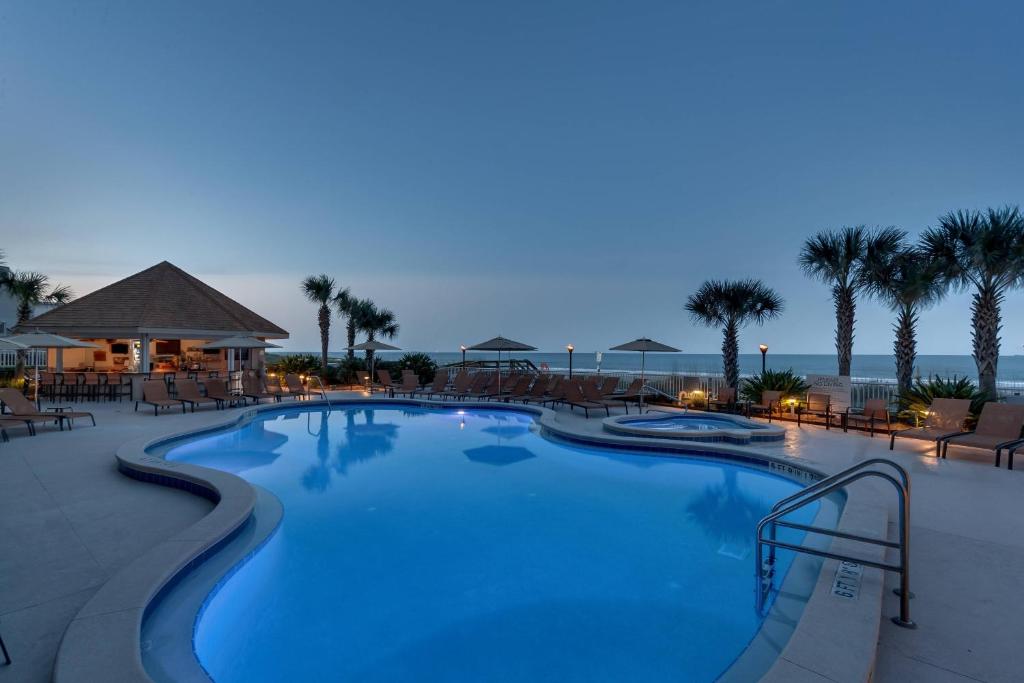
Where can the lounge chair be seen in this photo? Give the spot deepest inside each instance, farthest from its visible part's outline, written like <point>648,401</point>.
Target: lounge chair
<point>384,377</point>
<point>999,427</point>
<point>154,393</point>
<point>217,389</point>
<point>461,385</point>
<point>9,422</point>
<point>536,392</point>
<point>609,385</point>
<point>363,379</point>
<point>770,402</point>
<point>725,400</point>
<point>483,388</point>
<point>23,409</point>
<point>438,386</point>
<point>876,410</point>
<point>816,405</point>
<point>945,418</point>
<point>632,394</point>
<point>592,393</point>
<point>295,386</point>
<point>188,391</point>
<point>409,386</point>
<point>253,388</point>
<point>573,397</point>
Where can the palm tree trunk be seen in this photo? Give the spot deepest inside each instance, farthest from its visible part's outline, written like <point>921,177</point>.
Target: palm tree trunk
<point>730,353</point>
<point>370,336</point>
<point>24,314</point>
<point>324,318</point>
<point>985,319</point>
<point>844,298</point>
<point>350,330</point>
<point>905,347</point>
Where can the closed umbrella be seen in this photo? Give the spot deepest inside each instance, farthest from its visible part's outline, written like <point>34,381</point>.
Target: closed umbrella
<point>373,345</point>
<point>45,340</point>
<point>644,345</point>
<point>500,344</point>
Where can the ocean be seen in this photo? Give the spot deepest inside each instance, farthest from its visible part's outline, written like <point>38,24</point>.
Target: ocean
<point>867,366</point>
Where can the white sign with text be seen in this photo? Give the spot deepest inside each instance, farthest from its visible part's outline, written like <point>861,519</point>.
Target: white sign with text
<point>836,386</point>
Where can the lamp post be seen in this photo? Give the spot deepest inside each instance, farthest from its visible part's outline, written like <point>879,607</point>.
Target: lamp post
<point>764,352</point>
<point>570,348</point>
<point>463,348</point>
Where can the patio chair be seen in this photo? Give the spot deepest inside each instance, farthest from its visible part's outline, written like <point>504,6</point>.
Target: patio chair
<point>438,386</point>
<point>188,391</point>
<point>24,409</point>
<point>573,397</point>
<point>999,427</point>
<point>481,387</point>
<point>363,379</point>
<point>272,386</point>
<point>770,402</point>
<point>816,405</point>
<point>875,410</point>
<point>217,389</point>
<point>592,393</point>
<point>609,385</point>
<point>384,377</point>
<point>154,393</point>
<point>536,392</point>
<point>945,418</point>
<point>9,422</point>
<point>409,386</point>
<point>630,395</point>
<point>253,388</point>
<point>461,385</point>
<point>724,400</point>
<point>295,386</point>
<point>520,386</point>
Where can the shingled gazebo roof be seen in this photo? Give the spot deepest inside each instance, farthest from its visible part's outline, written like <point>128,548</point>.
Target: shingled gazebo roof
<point>162,301</point>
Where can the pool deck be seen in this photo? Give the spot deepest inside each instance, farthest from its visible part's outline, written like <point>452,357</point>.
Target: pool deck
<point>70,521</point>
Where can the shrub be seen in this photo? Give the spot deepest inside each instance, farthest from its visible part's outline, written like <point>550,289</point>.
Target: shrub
<point>915,402</point>
<point>790,384</point>
<point>344,372</point>
<point>420,363</point>
<point>299,363</point>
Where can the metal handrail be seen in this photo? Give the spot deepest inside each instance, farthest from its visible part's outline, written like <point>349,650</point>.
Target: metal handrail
<point>323,390</point>
<point>765,570</point>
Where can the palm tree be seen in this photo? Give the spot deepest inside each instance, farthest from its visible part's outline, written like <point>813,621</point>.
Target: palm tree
<point>319,289</point>
<point>984,251</point>
<point>836,258</point>
<point>30,290</point>
<point>730,305</point>
<point>907,282</point>
<point>375,322</point>
<point>348,308</point>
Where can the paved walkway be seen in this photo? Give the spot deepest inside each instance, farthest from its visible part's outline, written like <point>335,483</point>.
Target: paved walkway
<point>69,520</point>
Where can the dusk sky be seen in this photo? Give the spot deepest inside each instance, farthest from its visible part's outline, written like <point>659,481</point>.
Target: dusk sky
<point>554,172</point>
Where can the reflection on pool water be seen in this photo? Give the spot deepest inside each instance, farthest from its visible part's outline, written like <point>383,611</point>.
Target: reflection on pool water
<point>440,545</point>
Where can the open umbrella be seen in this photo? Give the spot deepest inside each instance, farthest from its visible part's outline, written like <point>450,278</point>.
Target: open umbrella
<point>373,345</point>
<point>239,343</point>
<point>45,340</point>
<point>644,345</point>
<point>8,345</point>
<point>500,344</point>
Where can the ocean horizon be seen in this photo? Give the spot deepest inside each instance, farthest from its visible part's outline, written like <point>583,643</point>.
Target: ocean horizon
<point>864,366</point>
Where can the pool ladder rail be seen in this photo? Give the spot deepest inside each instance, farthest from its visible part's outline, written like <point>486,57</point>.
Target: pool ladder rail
<point>765,568</point>
<point>320,384</point>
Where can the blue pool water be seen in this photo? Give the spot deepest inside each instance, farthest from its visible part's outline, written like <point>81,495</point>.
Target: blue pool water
<point>686,422</point>
<point>440,545</point>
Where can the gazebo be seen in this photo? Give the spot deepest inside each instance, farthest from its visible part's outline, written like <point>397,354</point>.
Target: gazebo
<point>154,321</point>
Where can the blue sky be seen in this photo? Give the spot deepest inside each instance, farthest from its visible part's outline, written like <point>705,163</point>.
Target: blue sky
<point>555,172</point>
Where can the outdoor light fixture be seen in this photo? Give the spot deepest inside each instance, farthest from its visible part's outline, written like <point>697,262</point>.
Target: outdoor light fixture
<point>764,352</point>
<point>463,348</point>
<point>570,348</point>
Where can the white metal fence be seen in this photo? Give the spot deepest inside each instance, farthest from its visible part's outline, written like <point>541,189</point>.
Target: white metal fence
<point>9,359</point>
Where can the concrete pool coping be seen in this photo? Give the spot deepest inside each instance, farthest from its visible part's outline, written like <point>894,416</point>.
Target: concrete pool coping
<point>102,642</point>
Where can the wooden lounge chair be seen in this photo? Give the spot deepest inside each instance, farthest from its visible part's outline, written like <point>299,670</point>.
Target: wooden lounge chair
<point>253,388</point>
<point>771,401</point>
<point>573,397</point>
<point>816,405</point>
<point>999,427</point>
<point>945,418</point>
<point>295,387</point>
<point>188,391</point>
<point>24,409</point>
<point>154,393</point>
<point>217,389</point>
<point>875,410</point>
<point>725,400</point>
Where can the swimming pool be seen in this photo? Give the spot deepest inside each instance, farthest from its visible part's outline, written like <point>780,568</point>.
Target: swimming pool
<point>695,426</point>
<point>463,545</point>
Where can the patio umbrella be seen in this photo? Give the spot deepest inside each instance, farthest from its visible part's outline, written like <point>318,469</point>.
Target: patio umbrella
<point>500,344</point>
<point>233,343</point>
<point>373,345</point>
<point>644,345</point>
<point>8,345</point>
<point>45,340</point>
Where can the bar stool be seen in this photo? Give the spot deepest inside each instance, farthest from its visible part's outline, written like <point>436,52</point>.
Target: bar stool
<point>91,385</point>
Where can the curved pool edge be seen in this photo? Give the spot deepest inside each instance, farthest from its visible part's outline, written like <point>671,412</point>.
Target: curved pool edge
<point>103,640</point>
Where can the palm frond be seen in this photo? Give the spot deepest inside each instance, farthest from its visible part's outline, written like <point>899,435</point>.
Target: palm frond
<point>319,289</point>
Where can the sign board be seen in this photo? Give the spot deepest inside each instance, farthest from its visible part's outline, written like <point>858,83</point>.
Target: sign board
<point>847,580</point>
<point>836,386</point>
